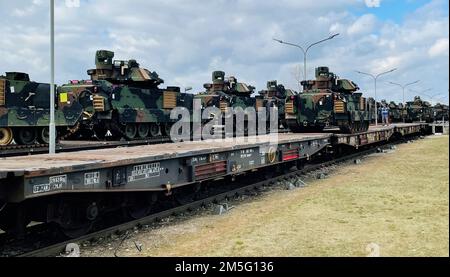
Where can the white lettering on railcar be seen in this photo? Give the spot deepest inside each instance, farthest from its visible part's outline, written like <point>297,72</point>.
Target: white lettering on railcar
<point>54,183</point>
<point>92,178</point>
<point>145,171</point>
<point>246,153</point>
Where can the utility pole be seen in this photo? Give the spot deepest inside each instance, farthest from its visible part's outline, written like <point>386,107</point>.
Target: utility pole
<point>52,127</point>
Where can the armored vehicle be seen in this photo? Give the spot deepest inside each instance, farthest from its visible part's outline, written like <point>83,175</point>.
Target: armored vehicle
<point>328,101</point>
<point>275,96</point>
<point>441,112</point>
<point>396,112</point>
<point>227,94</point>
<point>125,99</point>
<point>25,111</point>
<point>419,111</point>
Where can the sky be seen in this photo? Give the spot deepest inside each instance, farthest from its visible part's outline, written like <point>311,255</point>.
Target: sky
<point>185,40</point>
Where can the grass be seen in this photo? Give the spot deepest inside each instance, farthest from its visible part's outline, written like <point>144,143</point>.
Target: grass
<point>399,201</point>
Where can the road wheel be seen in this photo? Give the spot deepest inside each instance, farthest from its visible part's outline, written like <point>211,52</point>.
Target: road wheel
<point>166,129</point>
<point>130,131</point>
<point>25,136</point>
<point>143,130</point>
<point>6,136</point>
<point>43,136</point>
<point>154,130</point>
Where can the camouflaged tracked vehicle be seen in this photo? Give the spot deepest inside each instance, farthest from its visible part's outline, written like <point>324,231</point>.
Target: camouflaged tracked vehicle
<point>419,111</point>
<point>25,111</point>
<point>396,112</point>
<point>441,112</point>
<point>328,101</point>
<point>227,94</point>
<point>275,96</point>
<point>125,100</point>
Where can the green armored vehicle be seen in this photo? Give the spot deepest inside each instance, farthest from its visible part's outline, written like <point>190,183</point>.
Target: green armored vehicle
<point>25,111</point>
<point>441,112</point>
<point>328,101</point>
<point>228,94</point>
<point>396,112</point>
<point>419,111</point>
<point>275,96</point>
<point>125,100</point>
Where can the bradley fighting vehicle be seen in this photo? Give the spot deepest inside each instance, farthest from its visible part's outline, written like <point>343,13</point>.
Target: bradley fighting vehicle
<point>328,101</point>
<point>25,111</point>
<point>419,111</point>
<point>441,112</point>
<point>396,112</point>
<point>125,100</point>
<point>275,96</point>
<point>228,93</point>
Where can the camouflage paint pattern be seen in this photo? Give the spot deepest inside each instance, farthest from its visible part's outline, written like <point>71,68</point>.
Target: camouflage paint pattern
<point>419,111</point>
<point>275,96</point>
<point>328,101</point>
<point>127,93</point>
<point>225,93</point>
<point>25,106</point>
<point>441,111</point>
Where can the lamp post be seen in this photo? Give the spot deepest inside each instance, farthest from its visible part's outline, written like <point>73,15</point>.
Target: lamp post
<point>52,128</point>
<point>375,79</point>
<point>404,88</point>
<point>305,50</point>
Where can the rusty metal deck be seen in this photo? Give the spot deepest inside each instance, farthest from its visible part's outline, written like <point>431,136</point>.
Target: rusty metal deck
<point>63,162</point>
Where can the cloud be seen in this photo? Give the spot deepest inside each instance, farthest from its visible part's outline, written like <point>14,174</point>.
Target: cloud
<point>439,48</point>
<point>373,3</point>
<point>184,41</point>
<point>362,25</point>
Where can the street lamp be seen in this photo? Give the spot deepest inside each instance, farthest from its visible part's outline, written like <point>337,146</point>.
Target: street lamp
<point>375,79</point>
<point>305,51</point>
<point>52,128</point>
<point>403,88</point>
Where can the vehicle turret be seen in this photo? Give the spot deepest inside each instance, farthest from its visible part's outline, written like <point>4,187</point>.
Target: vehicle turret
<point>121,71</point>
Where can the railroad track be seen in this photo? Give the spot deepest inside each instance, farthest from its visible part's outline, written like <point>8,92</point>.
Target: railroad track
<point>58,248</point>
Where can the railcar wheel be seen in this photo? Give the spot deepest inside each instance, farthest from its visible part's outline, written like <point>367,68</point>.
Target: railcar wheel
<point>143,130</point>
<point>130,131</point>
<point>43,136</point>
<point>6,136</point>
<point>25,136</point>
<point>78,230</point>
<point>141,206</point>
<point>13,219</point>
<point>154,130</point>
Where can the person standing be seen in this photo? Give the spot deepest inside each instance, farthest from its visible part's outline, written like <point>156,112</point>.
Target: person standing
<point>385,115</point>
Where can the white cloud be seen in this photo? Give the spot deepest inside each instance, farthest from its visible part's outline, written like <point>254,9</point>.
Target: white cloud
<point>439,48</point>
<point>184,41</point>
<point>362,25</point>
<point>373,3</point>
